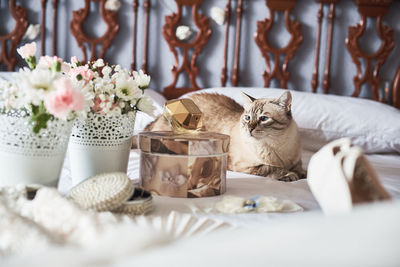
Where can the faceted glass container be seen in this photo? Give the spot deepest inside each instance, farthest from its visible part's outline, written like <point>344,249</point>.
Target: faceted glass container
<point>183,165</point>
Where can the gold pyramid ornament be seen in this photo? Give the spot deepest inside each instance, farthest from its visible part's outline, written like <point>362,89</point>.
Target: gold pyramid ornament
<point>183,115</point>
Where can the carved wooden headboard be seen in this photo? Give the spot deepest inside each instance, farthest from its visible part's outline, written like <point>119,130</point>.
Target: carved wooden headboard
<point>187,52</point>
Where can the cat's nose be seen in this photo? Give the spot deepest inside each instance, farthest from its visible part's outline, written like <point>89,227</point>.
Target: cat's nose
<point>252,126</point>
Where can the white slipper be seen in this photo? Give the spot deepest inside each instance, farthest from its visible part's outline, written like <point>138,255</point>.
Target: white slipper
<point>340,176</point>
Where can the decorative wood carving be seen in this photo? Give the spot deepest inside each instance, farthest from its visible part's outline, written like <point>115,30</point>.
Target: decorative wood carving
<point>224,67</point>
<point>146,6</point>
<point>326,82</point>
<point>135,4</point>
<point>375,9</point>
<point>314,81</point>
<point>235,74</point>
<point>8,58</point>
<point>76,26</point>
<point>197,44</point>
<point>43,28</point>
<point>331,16</point>
<point>396,89</point>
<point>55,15</point>
<point>293,27</point>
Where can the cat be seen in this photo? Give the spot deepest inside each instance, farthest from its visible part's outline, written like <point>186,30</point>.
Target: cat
<point>264,137</point>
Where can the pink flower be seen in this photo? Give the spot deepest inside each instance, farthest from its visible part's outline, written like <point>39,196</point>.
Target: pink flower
<point>27,51</point>
<point>64,99</point>
<point>84,73</point>
<point>96,106</point>
<point>47,62</point>
<point>74,59</point>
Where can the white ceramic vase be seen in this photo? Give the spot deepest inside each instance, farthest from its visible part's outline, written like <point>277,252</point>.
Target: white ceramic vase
<point>100,144</point>
<point>29,158</point>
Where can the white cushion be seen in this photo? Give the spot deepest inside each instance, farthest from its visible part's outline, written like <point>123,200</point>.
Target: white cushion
<point>322,118</point>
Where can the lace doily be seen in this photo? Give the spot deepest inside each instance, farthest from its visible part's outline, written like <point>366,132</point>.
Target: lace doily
<point>18,137</point>
<point>103,130</point>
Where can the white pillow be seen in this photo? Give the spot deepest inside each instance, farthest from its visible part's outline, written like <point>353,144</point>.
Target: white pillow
<point>322,118</point>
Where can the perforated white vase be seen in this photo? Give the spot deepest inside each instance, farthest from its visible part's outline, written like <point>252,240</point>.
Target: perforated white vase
<point>28,158</point>
<point>100,144</point>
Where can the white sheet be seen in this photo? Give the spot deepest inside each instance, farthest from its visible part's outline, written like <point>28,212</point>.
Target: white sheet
<point>370,236</point>
<point>244,185</point>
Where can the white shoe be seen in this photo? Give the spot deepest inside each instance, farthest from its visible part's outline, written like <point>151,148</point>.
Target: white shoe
<point>340,176</point>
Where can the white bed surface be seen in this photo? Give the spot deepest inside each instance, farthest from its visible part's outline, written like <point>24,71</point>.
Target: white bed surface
<point>244,185</point>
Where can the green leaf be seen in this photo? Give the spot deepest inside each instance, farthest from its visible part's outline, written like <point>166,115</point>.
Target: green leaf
<point>57,67</point>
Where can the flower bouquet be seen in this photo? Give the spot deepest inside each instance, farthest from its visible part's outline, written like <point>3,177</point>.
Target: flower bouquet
<point>36,112</point>
<point>101,142</point>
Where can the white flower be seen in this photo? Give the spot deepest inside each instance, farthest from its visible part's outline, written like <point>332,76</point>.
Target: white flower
<point>115,111</point>
<point>27,51</point>
<point>99,63</point>
<point>35,85</point>
<point>106,106</point>
<point>106,71</point>
<point>218,15</point>
<point>118,68</point>
<point>47,62</point>
<point>32,32</point>
<point>183,32</point>
<point>142,79</point>
<point>88,96</point>
<point>8,95</point>
<point>127,89</point>
<point>146,105</point>
<point>113,5</point>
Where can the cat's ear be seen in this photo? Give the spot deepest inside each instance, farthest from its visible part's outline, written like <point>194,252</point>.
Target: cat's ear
<point>248,100</point>
<point>285,100</point>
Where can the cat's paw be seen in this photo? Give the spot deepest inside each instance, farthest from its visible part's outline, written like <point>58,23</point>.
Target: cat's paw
<point>303,174</point>
<point>289,177</point>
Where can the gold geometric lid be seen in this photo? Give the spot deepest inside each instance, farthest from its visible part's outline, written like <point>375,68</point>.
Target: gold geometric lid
<point>103,192</point>
<point>183,115</point>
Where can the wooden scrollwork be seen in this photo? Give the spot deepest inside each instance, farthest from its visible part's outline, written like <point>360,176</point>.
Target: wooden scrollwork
<point>188,65</point>
<point>331,16</point>
<point>43,28</point>
<point>224,67</point>
<point>235,72</point>
<point>8,58</point>
<point>55,15</point>
<point>135,4</point>
<point>293,27</point>
<point>110,18</point>
<point>146,6</point>
<point>374,9</point>
<point>396,89</point>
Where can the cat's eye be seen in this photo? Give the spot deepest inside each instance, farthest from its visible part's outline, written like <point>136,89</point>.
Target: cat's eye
<point>263,118</point>
<point>247,117</point>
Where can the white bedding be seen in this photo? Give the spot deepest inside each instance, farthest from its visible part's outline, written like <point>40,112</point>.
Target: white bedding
<point>245,185</point>
<point>370,236</point>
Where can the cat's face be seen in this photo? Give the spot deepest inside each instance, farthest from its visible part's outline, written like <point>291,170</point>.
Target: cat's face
<point>266,117</point>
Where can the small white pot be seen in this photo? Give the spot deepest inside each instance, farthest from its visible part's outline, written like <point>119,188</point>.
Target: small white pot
<point>28,158</point>
<point>100,144</point>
